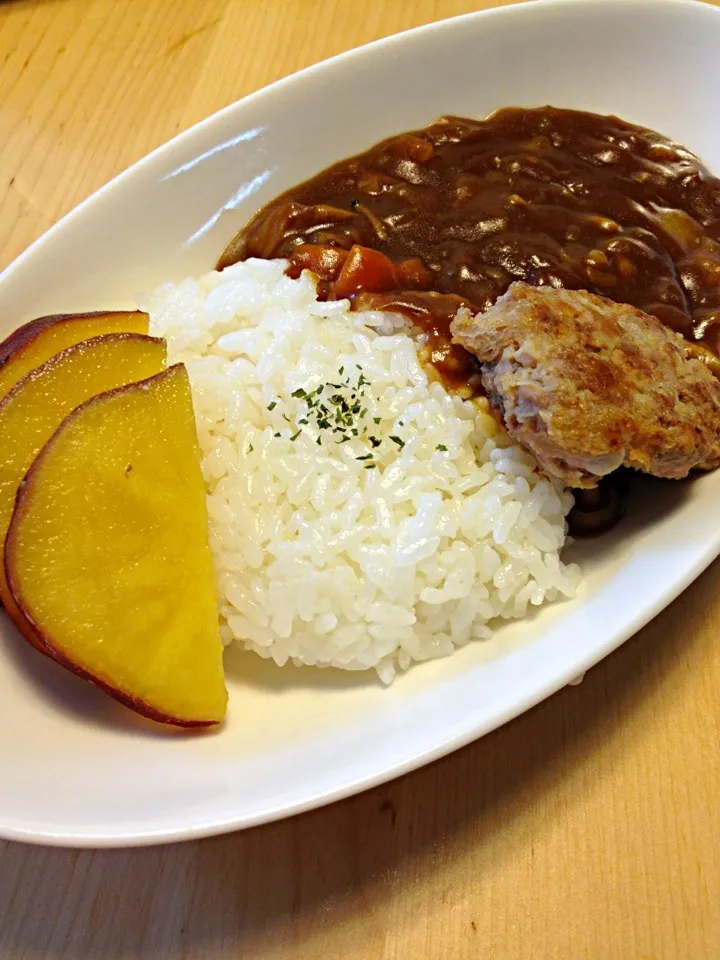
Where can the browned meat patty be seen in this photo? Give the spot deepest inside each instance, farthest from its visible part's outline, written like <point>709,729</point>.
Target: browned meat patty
<point>588,385</point>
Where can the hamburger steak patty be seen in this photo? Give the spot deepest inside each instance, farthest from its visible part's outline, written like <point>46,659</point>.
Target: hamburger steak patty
<point>589,385</point>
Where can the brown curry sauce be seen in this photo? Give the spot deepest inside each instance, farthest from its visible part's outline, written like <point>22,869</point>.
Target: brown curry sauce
<point>454,213</point>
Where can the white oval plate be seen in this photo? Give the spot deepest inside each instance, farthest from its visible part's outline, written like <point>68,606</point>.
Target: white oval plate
<point>77,769</point>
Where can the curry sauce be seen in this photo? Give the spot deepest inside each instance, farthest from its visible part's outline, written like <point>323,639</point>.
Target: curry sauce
<point>454,213</point>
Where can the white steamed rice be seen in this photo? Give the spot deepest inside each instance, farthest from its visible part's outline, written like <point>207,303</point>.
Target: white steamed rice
<point>320,560</point>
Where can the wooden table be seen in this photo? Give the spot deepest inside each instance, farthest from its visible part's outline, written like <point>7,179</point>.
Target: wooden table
<point>587,828</point>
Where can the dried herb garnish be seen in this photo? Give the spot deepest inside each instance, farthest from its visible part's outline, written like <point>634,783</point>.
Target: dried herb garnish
<point>337,409</point>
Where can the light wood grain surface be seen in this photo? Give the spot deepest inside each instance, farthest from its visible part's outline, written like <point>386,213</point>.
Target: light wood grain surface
<point>588,828</point>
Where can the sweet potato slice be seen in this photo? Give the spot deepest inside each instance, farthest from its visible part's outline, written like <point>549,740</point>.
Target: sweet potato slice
<point>108,554</point>
<point>35,342</point>
<point>38,404</point>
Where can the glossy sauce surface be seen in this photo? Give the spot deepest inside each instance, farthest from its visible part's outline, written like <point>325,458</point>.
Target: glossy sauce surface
<point>553,197</point>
